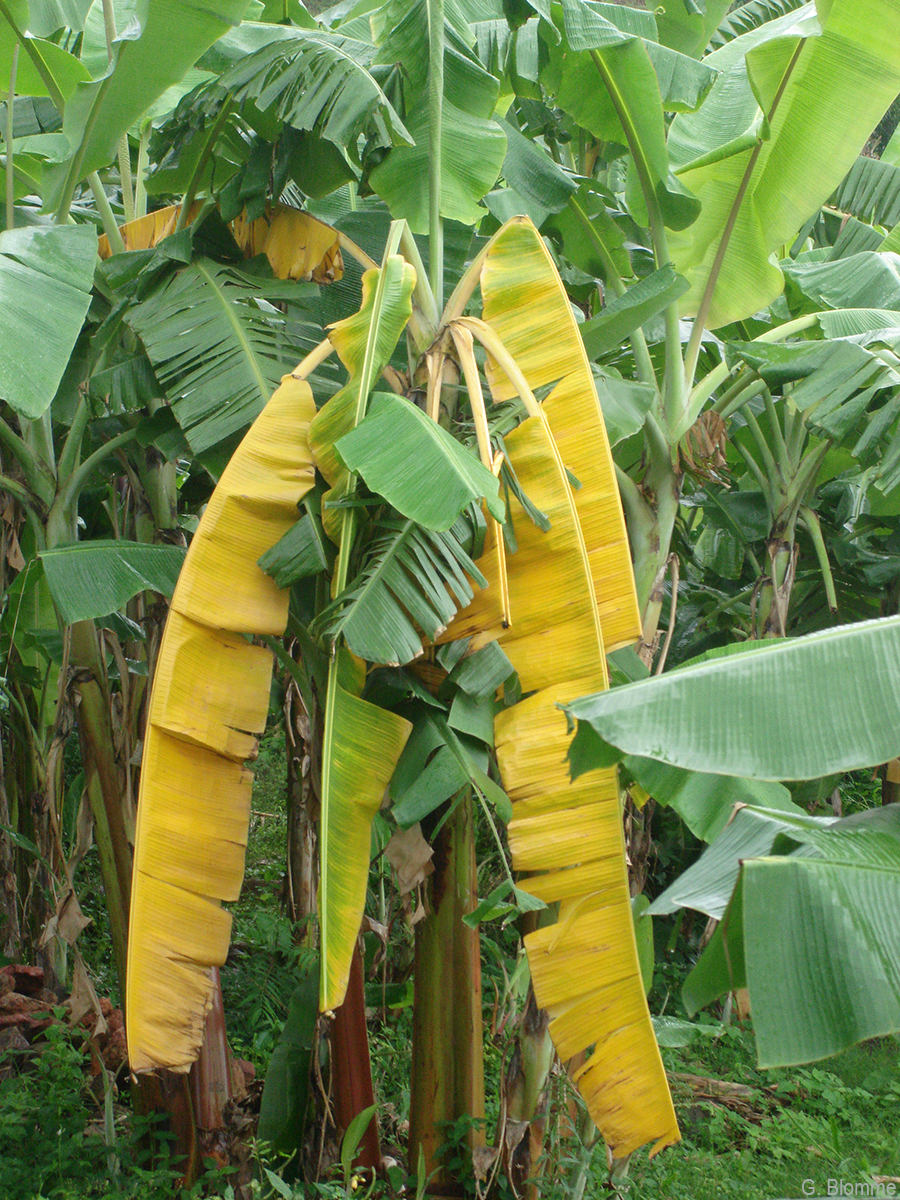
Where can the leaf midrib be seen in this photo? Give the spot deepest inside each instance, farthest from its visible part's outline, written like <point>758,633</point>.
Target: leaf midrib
<point>212,278</point>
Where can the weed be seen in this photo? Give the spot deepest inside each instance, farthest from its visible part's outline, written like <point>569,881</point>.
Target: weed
<point>54,1142</point>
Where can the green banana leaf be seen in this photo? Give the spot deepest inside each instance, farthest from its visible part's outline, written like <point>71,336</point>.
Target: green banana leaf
<point>846,389</point>
<point>708,884</point>
<point>826,974</point>
<point>147,59</point>
<point>286,1091</point>
<point>870,279</point>
<point>530,173</point>
<point>624,404</point>
<point>705,802</point>
<point>303,551</point>
<point>623,314</point>
<point>93,579</point>
<point>688,26</point>
<point>798,709</point>
<point>402,590</point>
<point>473,144</point>
<point>64,68</point>
<point>613,92</point>
<point>46,276</point>
<point>207,313</point>
<point>361,746</point>
<point>587,234</point>
<point>848,322</point>
<point>871,192</point>
<point>315,81</point>
<point>855,236</point>
<point>813,99</point>
<point>416,465</point>
<point>749,16</point>
<point>365,342</point>
<point>473,148</point>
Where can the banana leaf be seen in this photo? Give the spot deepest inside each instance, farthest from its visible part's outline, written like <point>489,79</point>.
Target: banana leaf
<point>402,591</point>
<point>519,265</point>
<point>365,343</point>
<point>839,983</point>
<point>798,709</point>
<point>805,107</point>
<point>567,837</point>
<point>870,279</point>
<point>416,465</point>
<point>871,192</point>
<point>361,746</point>
<point>46,276</point>
<point>209,701</point>
<point>147,60</point>
<point>210,312</point>
<point>93,579</point>
<point>751,15</point>
<point>312,80</point>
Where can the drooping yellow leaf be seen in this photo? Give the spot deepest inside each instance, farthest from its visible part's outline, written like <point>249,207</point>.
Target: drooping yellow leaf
<point>297,245</point>
<point>146,232</point>
<point>526,304</point>
<point>566,838</point>
<point>209,701</point>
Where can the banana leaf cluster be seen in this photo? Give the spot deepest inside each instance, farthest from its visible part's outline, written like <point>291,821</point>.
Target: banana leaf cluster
<point>429,547</point>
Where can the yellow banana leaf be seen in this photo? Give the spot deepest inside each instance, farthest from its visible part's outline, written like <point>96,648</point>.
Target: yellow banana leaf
<point>567,837</point>
<point>209,701</point>
<point>362,745</point>
<point>144,233</point>
<point>296,244</point>
<point>526,304</point>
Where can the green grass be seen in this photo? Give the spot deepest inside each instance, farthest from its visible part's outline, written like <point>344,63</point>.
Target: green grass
<point>834,1120</point>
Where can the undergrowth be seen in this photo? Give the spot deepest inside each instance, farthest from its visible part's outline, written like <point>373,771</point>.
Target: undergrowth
<point>747,1133</point>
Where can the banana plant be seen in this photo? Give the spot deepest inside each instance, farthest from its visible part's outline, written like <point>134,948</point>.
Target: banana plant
<point>403,569</point>
<point>404,528</point>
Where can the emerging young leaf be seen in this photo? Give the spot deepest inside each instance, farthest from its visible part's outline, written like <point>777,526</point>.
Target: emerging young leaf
<point>365,343</point>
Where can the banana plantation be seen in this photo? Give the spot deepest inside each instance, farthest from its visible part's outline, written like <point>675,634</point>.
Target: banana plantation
<point>494,407</point>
